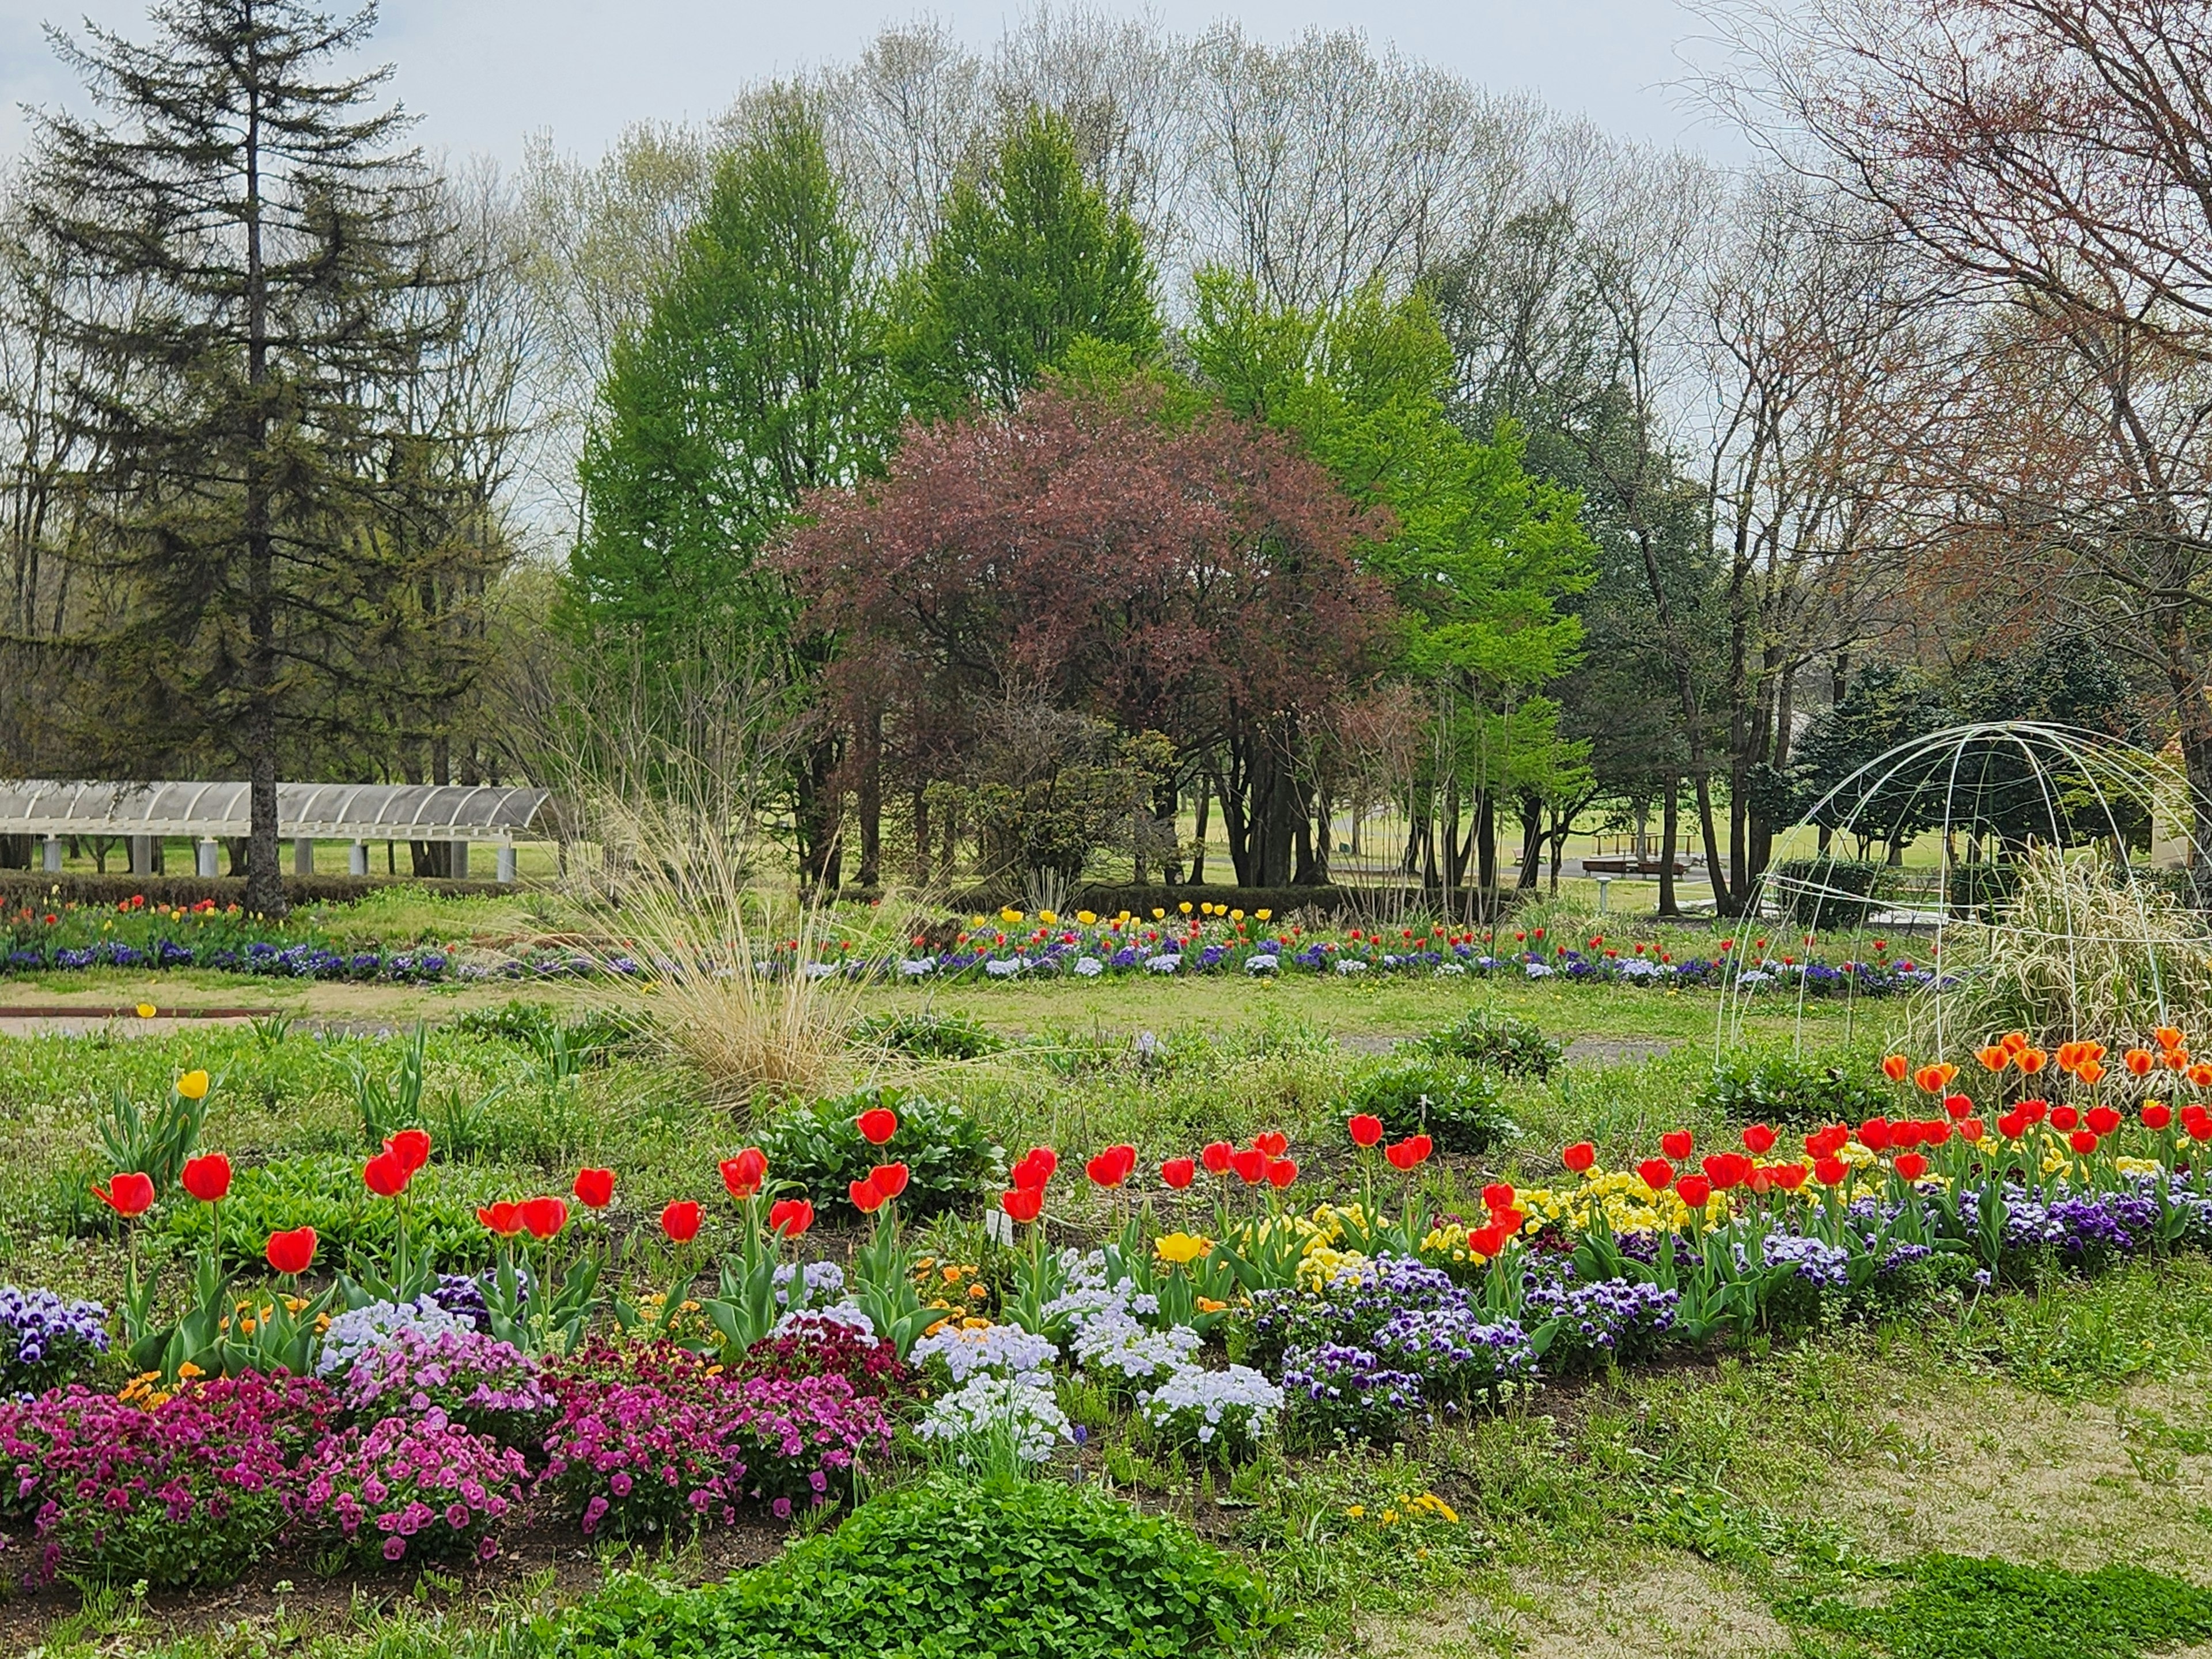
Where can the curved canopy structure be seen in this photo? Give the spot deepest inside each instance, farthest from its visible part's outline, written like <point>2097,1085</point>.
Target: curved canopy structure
<point>333,811</point>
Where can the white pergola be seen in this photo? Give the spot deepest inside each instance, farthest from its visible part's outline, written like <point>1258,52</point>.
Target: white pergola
<point>358,813</point>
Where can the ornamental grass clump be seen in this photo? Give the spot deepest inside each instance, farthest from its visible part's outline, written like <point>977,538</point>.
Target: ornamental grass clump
<point>411,1489</point>
<point>45,1341</point>
<point>487,1387</point>
<point>190,1491</point>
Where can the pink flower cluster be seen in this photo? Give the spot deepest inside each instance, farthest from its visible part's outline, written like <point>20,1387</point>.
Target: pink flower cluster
<point>190,1491</point>
<point>809,1345</point>
<point>487,1386</point>
<point>421,1488</point>
<point>655,1439</point>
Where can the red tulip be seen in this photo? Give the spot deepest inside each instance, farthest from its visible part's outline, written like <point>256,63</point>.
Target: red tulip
<point>1971,1129</point>
<point>384,1175</point>
<point>1486,1240</point>
<point>1957,1106</point>
<point>867,1197</point>
<point>1830,1172</point>
<point>2156,1115</point>
<point>1217,1155</point>
<point>2201,1129</point>
<point>207,1177</point>
<point>412,1147</point>
<point>790,1217</point>
<point>594,1188</point>
<point>1498,1195</point>
<point>2083,1141</point>
<point>889,1179</point>
<point>292,1252</point>
<point>1409,1153</point>
<point>2034,1110</point>
<point>744,1174</point>
<point>1694,1190</point>
<point>544,1217</point>
<point>2103,1119</point>
<point>1272,1143</point>
<point>505,1219</point>
<point>1365,1128</point>
<point>1112,1167</point>
<point>2063,1118</point>
<point>1788,1177</point>
<point>1656,1172</point>
<point>1579,1157</point>
<point>1759,1140</point>
<point>1023,1203</point>
<point>877,1125</point>
<point>1911,1166</point>
<point>1037,1168</point>
<point>2012,1125</point>
<point>680,1221</point>
<point>1179,1172</point>
<point>1282,1171</point>
<point>1676,1144</point>
<point>1905,1134</point>
<point>1874,1134</point>
<point>126,1194</point>
<point>1250,1164</point>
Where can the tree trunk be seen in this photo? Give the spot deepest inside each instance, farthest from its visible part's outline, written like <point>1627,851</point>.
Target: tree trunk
<point>1532,841</point>
<point>871,803</point>
<point>921,835</point>
<point>1198,851</point>
<point>264,882</point>
<point>1670,837</point>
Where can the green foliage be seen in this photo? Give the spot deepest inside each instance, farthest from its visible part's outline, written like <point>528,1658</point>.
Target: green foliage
<point>926,1034</point>
<point>952,1571</point>
<point>756,377</point>
<point>1826,891</point>
<point>1884,706</point>
<point>1505,1042</point>
<point>158,1144</point>
<point>1031,264</point>
<point>591,1034</point>
<point>819,1149</point>
<point>1445,1098</point>
<point>1787,1087</point>
<point>1952,1606</point>
<point>356,1231</point>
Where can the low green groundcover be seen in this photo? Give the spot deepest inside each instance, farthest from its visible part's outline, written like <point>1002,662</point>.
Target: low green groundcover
<point>1953,1607</point>
<point>951,1571</point>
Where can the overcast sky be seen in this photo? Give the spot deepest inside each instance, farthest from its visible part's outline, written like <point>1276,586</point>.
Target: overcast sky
<point>484,74</point>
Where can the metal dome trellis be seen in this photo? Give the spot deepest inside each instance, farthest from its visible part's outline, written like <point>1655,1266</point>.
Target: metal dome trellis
<point>2024,796</point>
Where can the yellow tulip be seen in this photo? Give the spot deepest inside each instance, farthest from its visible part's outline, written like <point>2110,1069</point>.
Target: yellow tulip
<point>146,1011</point>
<point>1182,1249</point>
<point>194,1085</point>
<point>1086,919</point>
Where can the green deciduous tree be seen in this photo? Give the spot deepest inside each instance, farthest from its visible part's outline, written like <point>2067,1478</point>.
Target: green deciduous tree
<point>1030,259</point>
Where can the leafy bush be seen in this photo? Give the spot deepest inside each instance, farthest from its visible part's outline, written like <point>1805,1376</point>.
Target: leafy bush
<point>1828,891</point>
<point>1037,1569</point>
<point>1442,1097</point>
<point>190,1491</point>
<point>1953,1607</point>
<point>1787,1088</point>
<point>819,1146</point>
<point>1505,1042</point>
<point>357,1233</point>
<point>928,1035</point>
<point>591,1036</point>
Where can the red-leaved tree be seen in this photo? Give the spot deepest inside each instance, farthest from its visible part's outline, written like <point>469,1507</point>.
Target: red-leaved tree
<point>1194,577</point>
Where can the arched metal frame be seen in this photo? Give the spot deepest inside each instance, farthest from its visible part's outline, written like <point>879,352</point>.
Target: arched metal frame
<point>305,812</point>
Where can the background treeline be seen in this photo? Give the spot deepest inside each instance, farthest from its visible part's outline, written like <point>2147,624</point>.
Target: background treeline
<point>958,465</point>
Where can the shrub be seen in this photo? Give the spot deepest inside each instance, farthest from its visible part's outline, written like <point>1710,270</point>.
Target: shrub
<point>653,1439</point>
<point>191,1491</point>
<point>1826,891</point>
<point>1505,1042</point>
<point>1442,1097</point>
<point>487,1387</point>
<point>986,1570</point>
<point>46,1341</point>
<point>412,1489</point>
<point>1788,1088</point>
<point>928,1035</point>
<point>948,1157</point>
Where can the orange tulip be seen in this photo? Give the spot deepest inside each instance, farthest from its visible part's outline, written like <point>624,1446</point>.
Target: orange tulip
<point>2173,1060</point>
<point>2138,1062</point>
<point>2014,1041</point>
<point>2168,1037</point>
<point>2090,1072</point>
<point>2200,1075</point>
<point>1895,1066</point>
<point>2030,1060</point>
<point>1934,1079</point>
<point>1995,1058</point>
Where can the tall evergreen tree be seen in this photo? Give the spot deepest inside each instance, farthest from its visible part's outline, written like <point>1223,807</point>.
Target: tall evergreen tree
<point>1030,259</point>
<point>757,376</point>
<point>247,230</point>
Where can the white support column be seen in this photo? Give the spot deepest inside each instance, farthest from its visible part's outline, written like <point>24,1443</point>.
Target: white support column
<point>358,859</point>
<point>209,852</point>
<point>50,857</point>
<point>142,855</point>
<point>460,861</point>
<point>303,856</point>
<point>507,862</point>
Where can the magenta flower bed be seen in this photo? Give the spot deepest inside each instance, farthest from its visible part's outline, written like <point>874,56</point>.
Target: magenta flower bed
<point>412,1489</point>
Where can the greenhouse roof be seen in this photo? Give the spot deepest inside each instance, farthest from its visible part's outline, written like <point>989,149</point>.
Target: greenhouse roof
<point>336,811</point>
